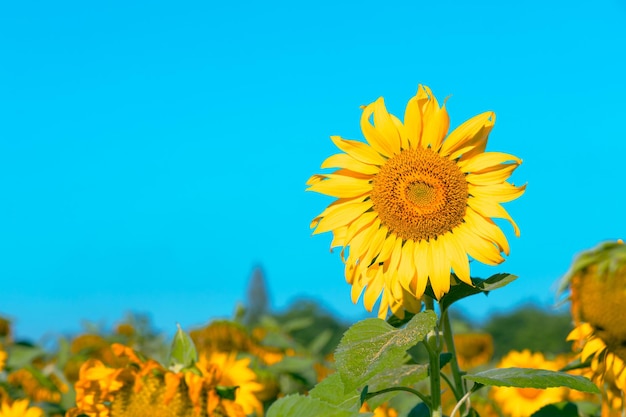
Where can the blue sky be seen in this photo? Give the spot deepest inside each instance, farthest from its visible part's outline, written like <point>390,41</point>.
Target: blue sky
<point>152,154</point>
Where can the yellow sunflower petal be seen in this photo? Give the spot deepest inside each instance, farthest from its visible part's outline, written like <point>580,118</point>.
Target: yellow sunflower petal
<point>487,229</point>
<point>359,150</point>
<point>341,186</point>
<point>458,257</point>
<point>375,135</point>
<point>489,209</point>
<point>436,122</point>
<point>413,118</point>
<point>342,215</point>
<point>385,124</point>
<point>468,134</point>
<point>343,160</point>
<point>406,268</point>
<point>373,290</point>
<point>503,192</point>
<point>486,160</point>
<point>440,268</point>
<point>496,175</point>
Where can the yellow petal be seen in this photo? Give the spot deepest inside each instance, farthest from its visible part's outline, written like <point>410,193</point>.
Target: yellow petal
<point>404,137</point>
<point>384,124</point>
<point>373,290</point>
<point>343,160</point>
<point>374,135</point>
<point>342,215</point>
<point>406,268</point>
<point>359,150</point>
<point>490,209</point>
<point>421,265</point>
<point>458,256</point>
<point>435,121</point>
<point>376,245</point>
<point>413,117</point>
<point>341,186</point>
<point>486,229</point>
<point>496,175</point>
<point>468,135</point>
<point>503,192</point>
<point>440,268</point>
<point>478,248</point>
<point>486,160</point>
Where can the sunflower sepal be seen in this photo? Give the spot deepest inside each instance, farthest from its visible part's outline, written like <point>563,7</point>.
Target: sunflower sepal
<point>460,289</point>
<point>532,378</point>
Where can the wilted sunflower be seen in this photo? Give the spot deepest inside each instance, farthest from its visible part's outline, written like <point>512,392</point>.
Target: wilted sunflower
<point>415,201</point>
<point>597,282</point>
<point>522,402</point>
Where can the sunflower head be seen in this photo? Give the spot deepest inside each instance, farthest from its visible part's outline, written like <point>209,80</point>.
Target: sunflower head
<point>415,202</point>
<point>597,282</point>
<point>473,349</point>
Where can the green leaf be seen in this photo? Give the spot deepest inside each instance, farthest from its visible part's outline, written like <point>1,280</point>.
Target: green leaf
<point>532,378</point>
<point>402,376</point>
<point>331,391</point>
<point>462,290</point>
<point>563,409</point>
<point>183,353</point>
<point>301,406</point>
<point>444,359</point>
<point>21,355</point>
<point>373,346</point>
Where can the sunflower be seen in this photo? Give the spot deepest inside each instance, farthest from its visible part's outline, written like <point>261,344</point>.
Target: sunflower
<point>19,408</point>
<point>473,349</point>
<point>143,388</point>
<point>522,402</point>
<point>3,358</point>
<point>597,282</point>
<point>414,202</point>
<point>233,372</point>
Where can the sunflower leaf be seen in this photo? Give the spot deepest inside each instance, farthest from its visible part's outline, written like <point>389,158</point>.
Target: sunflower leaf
<point>183,352</point>
<point>330,390</point>
<point>301,406</point>
<point>562,409</point>
<point>372,346</point>
<point>532,378</point>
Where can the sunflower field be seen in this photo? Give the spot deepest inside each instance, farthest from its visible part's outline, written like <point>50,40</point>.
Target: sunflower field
<point>414,207</point>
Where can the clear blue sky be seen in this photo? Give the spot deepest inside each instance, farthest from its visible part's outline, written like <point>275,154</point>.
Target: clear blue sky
<point>152,153</point>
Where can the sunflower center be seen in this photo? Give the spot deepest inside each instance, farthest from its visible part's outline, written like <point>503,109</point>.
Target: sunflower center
<point>419,194</point>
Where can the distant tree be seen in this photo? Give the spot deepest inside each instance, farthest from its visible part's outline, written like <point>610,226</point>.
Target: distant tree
<point>257,298</point>
<point>530,327</point>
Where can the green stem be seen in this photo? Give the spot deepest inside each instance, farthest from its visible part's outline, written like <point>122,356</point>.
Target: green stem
<point>422,397</point>
<point>434,349</point>
<point>454,364</point>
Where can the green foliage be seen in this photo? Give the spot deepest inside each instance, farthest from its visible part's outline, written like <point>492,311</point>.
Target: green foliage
<point>301,406</point>
<point>532,378</point>
<point>373,346</point>
<point>564,409</point>
<point>531,328</point>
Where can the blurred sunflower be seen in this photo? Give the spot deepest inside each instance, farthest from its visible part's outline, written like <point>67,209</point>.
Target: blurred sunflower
<point>522,402</point>
<point>383,410</point>
<point>143,388</point>
<point>233,372</point>
<point>3,358</point>
<point>473,349</point>
<point>226,336</point>
<point>37,385</point>
<point>597,282</point>
<point>414,202</point>
<point>19,408</point>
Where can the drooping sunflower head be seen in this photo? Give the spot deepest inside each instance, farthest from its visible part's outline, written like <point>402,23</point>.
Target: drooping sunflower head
<point>597,282</point>
<point>415,203</point>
